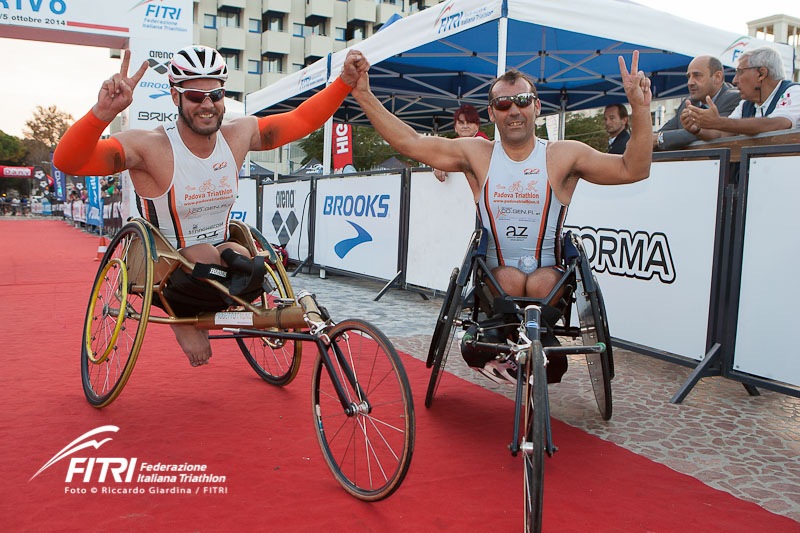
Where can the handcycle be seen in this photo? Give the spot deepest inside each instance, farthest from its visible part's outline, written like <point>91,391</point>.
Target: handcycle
<point>509,331</point>
<point>361,399</point>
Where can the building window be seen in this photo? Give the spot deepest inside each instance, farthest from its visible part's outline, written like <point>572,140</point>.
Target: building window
<point>229,19</point>
<point>296,67</point>
<point>339,34</point>
<point>274,23</point>
<point>253,66</point>
<point>231,59</point>
<point>298,30</point>
<point>274,64</point>
<point>210,21</point>
<point>316,29</point>
<point>355,30</point>
<point>255,26</point>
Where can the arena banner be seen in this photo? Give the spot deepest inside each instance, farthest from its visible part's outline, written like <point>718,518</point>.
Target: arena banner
<point>244,208</point>
<point>767,296</point>
<point>651,245</point>
<point>440,222</point>
<point>286,216</point>
<point>357,224</point>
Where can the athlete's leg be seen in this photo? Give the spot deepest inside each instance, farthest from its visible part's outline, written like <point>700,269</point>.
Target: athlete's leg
<point>511,279</point>
<point>193,341</point>
<point>541,281</point>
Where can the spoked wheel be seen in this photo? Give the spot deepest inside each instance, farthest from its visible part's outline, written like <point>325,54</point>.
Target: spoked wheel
<point>604,332</point>
<point>116,318</point>
<point>591,320</point>
<point>443,335</point>
<point>274,360</point>
<point>535,437</point>
<point>367,444</point>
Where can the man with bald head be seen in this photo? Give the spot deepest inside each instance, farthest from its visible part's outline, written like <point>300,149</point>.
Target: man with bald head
<point>705,78</point>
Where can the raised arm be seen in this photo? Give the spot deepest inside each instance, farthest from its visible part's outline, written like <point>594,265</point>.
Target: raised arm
<point>449,155</point>
<point>634,164</point>
<point>276,130</point>
<point>80,151</point>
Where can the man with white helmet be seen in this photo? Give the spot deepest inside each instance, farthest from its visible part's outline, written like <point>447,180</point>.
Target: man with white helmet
<point>172,163</point>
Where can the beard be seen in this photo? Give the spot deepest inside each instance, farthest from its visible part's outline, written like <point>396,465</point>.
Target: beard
<point>207,130</point>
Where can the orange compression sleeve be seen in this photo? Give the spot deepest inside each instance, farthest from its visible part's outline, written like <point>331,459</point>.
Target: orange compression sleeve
<point>277,130</point>
<point>82,153</point>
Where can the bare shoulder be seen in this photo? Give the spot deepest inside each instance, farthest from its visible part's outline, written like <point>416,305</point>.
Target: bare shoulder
<point>240,132</point>
<point>141,146</point>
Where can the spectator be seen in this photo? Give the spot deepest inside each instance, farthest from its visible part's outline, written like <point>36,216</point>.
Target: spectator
<point>466,123</point>
<point>15,206</point>
<point>769,103</point>
<point>615,117</point>
<point>705,77</point>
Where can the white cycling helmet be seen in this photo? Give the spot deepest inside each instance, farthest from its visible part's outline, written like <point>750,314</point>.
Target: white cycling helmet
<point>196,62</point>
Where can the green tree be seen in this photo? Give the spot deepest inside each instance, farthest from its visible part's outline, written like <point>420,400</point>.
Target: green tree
<point>590,130</point>
<point>47,126</point>
<point>369,149</point>
<point>12,152</point>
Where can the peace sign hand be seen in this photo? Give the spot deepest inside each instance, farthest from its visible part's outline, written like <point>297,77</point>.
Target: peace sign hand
<point>116,93</point>
<point>635,83</point>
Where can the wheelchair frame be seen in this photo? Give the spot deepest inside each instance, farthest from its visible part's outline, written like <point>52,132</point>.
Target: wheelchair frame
<point>534,439</point>
<point>361,366</point>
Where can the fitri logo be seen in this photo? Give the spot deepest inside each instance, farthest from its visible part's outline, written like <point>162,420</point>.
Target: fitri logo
<point>120,468</point>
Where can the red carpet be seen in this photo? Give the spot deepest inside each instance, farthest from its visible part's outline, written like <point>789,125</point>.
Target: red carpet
<point>261,439</point>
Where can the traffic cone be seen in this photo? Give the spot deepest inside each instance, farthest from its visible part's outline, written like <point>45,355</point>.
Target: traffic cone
<point>101,248</point>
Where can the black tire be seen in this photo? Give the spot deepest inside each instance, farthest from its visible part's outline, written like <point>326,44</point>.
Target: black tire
<point>591,321</point>
<point>440,348</point>
<point>437,331</point>
<point>535,437</point>
<point>117,314</point>
<point>276,361</point>
<point>604,332</point>
<point>369,451</point>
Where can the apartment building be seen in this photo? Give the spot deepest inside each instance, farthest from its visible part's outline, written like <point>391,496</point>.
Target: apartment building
<point>779,29</point>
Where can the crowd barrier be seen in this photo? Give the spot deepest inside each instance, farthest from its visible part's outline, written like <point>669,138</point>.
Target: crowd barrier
<point>681,257</point>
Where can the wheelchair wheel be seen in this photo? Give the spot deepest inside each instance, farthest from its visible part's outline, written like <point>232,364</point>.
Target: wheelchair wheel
<point>443,335</point>
<point>592,332</point>
<point>605,333</point>
<point>276,361</point>
<point>116,318</point>
<point>368,445</point>
<point>535,437</point>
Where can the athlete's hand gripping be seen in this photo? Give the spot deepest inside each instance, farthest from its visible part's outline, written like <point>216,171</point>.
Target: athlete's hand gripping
<point>354,65</point>
<point>116,93</point>
<point>635,83</point>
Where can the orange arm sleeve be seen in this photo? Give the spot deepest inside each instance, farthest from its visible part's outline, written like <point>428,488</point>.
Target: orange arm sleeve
<point>277,130</point>
<point>81,152</point>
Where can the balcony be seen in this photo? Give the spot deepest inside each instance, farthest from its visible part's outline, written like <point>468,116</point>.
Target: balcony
<point>230,38</point>
<point>268,78</point>
<point>385,12</point>
<point>235,81</point>
<point>319,8</point>
<point>363,10</point>
<point>276,42</point>
<point>231,4</point>
<point>278,6</point>
<point>317,46</point>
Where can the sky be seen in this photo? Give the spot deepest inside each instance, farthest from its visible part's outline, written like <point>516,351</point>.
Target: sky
<point>68,76</point>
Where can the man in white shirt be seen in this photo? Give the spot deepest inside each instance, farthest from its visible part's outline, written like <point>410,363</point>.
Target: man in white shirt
<point>769,102</point>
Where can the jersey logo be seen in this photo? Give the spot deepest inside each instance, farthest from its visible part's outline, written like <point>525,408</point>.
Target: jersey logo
<point>219,166</point>
<point>343,247</point>
<point>529,171</point>
<point>517,231</point>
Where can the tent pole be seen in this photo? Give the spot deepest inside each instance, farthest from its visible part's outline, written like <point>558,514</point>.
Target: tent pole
<point>327,145</point>
<point>562,120</point>
<point>502,44</point>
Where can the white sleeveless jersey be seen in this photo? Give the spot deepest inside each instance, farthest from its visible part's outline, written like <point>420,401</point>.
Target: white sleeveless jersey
<point>196,206</point>
<point>520,212</point>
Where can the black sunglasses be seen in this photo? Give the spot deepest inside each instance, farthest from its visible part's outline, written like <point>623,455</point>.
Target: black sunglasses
<point>197,96</point>
<point>503,103</point>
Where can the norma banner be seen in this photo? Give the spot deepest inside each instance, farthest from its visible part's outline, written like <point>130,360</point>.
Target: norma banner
<point>342,146</point>
<point>767,296</point>
<point>441,220</point>
<point>286,213</point>
<point>651,245</point>
<point>357,224</point>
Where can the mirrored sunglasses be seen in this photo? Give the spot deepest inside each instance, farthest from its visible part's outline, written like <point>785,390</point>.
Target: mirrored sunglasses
<point>503,103</point>
<point>197,96</point>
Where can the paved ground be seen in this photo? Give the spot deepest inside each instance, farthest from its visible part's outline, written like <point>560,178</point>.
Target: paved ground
<point>747,446</point>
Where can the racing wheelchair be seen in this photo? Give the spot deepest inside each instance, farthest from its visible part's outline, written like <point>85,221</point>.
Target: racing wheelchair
<point>361,399</point>
<point>504,338</point>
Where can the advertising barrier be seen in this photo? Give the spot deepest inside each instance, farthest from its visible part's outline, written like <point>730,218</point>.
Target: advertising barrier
<point>357,224</point>
<point>654,247</point>
<point>286,216</point>
<point>763,295</point>
<point>245,208</point>
<point>441,220</point>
